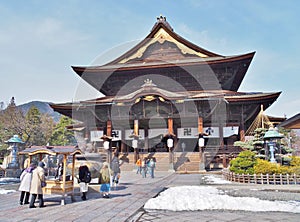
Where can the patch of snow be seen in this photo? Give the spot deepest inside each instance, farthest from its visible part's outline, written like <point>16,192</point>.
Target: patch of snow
<point>8,180</point>
<point>211,179</point>
<point>2,191</point>
<point>193,198</point>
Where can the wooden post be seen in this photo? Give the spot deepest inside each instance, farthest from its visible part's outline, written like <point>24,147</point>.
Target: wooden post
<point>170,126</point>
<point>136,134</point>
<point>242,134</point>
<point>171,132</point>
<point>136,127</point>
<point>73,176</point>
<point>224,160</point>
<point>108,128</point>
<point>201,148</point>
<point>242,127</point>
<point>64,180</point>
<point>200,125</point>
<point>109,133</point>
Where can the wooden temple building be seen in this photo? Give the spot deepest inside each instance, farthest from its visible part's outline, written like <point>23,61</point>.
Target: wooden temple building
<point>167,87</point>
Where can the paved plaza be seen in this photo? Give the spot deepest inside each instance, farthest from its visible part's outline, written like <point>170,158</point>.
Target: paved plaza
<point>127,201</point>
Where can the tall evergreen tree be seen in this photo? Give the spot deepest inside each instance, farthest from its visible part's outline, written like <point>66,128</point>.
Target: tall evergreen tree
<point>62,136</point>
<point>34,135</point>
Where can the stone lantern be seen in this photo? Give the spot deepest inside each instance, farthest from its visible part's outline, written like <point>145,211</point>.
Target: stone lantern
<point>271,136</point>
<point>14,143</point>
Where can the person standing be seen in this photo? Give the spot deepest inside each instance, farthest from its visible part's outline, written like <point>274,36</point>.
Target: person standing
<point>84,179</point>
<point>59,171</point>
<point>25,184</point>
<point>115,167</point>
<point>144,168</point>
<point>139,166</point>
<point>104,180</point>
<point>38,176</point>
<point>151,165</point>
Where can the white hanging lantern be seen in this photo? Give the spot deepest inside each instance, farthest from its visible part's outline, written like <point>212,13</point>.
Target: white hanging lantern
<point>170,142</point>
<point>134,143</point>
<point>201,142</point>
<point>106,145</point>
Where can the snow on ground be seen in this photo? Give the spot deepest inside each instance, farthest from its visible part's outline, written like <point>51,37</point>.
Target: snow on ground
<point>211,179</point>
<point>8,180</point>
<point>192,198</point>
<point>2,191</point>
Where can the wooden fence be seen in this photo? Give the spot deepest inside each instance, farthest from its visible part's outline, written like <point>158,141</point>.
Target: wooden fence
<point>275,179</point>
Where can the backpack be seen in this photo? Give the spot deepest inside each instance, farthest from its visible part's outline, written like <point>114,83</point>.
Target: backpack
<point>87,177</point>
<point>151,163</point>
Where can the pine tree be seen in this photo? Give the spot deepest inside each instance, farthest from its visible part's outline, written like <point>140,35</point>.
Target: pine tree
<point>61,136</point>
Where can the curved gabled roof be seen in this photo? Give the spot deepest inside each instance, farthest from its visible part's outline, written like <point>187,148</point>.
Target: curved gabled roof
<point>51,150</point>
<point>166,53</point>
<point>160,33</point>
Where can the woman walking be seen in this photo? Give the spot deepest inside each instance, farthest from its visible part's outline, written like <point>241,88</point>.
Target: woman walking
<point>115,167</point>
<point>104,180</point>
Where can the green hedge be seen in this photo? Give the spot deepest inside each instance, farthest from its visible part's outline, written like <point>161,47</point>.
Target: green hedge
<point>247,163</point>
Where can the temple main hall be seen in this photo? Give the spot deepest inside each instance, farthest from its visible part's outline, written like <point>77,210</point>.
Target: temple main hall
<point>169,99</point>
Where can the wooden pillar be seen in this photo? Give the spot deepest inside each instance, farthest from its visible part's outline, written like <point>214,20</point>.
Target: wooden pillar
<point>201,148</point>
<point>64,180</point>
<point>221,136</point>
<point>122,143</point>
<point>108,128</point>
<point>224,160</point>
<point>146,142</point>
<point>200,125</point>
<point>242,126</point>
<point>242,134</point>
<point>136,135</point>
<point>136,127</point>
<point>171,154</point>
<point>170,126</point>
<point>109,133</point>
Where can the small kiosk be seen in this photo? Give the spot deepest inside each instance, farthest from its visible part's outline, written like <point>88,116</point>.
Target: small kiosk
<point>52,155</point>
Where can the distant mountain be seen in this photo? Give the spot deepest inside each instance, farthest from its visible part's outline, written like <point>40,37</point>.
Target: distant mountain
<point>43,107</point>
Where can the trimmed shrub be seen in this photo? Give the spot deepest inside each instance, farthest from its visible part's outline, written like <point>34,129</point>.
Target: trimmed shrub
<point>243,163</point>
<point>266,167</point>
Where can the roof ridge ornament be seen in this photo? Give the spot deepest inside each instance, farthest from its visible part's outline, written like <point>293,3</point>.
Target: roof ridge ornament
<point>162,19</point>
<point>148,83</point>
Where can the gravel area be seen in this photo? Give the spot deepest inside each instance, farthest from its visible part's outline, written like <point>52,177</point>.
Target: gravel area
<point>271,195</point>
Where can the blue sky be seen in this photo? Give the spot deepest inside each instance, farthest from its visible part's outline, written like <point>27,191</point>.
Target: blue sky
<point>40,40</point>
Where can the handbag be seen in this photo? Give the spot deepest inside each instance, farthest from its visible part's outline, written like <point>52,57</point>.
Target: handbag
<point>43,184</point>
<point>83,187</point>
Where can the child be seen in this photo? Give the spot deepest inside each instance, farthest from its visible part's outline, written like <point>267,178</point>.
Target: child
<point>104,180</point>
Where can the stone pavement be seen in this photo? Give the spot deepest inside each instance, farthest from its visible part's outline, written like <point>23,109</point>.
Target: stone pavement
<point>127,201</point>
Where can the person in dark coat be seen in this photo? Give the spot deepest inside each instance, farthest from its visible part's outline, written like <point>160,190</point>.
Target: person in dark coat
<point>83,171</point>
<point>59,171</point>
